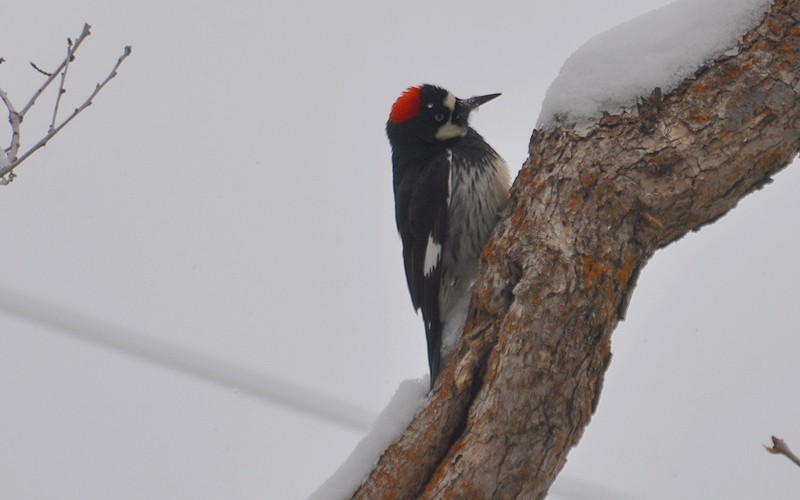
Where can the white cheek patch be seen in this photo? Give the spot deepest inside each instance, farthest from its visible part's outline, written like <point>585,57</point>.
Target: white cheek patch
<point>432,253</point>
<point>449,131</point>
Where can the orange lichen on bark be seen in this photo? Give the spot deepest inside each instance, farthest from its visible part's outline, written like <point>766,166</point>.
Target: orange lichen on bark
<point>588,179</point>
<point>516,217</point>
<point>489,253</point>
<point>625,270</point>
<point>575,200</point>
<point>483,297</point>
<point>591,271</point>
<point>773,26</point>
<point>491,370</point>
<point>703,86</point>
<point>560,437</point>
<point>730,73</point>
<point>769,158</point>
<point>523,177</point>
<point>436,476</point>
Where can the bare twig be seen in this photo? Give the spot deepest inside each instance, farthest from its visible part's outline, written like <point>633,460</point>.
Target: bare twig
<point>13,158</point>
<point>86,104</point>
<point>40,70</point>
<point>779,447</point>
<point>61,87</point>
<point>85,33</point>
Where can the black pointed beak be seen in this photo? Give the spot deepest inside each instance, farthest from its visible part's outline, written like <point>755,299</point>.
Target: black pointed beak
<point>474,102</point>
<point>465,106</point>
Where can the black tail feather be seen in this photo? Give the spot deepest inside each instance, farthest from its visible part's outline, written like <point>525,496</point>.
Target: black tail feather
<point>433,332</point>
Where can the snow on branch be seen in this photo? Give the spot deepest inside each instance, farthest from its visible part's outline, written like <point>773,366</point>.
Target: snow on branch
<point>590,207</point>
<point>779,447</point>
<point>11,157</point>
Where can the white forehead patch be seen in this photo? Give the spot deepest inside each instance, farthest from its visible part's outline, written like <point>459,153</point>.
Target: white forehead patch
<point>450,101</point>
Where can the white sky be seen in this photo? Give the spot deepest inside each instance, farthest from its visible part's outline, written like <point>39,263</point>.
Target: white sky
<point>230,193</point>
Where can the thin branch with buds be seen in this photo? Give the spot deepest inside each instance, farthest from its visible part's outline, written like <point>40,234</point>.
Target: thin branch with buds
<point>779,447</point>
<point>52,76</point>
<point>61,88</point>
<point>12,156</point>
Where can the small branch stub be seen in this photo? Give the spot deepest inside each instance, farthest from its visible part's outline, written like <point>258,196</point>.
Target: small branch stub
<point>779,447</point>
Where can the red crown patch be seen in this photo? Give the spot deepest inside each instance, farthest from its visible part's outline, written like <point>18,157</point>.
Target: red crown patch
<point>406,106</point>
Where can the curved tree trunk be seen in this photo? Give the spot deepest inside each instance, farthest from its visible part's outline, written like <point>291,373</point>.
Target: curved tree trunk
<point>588,210</point>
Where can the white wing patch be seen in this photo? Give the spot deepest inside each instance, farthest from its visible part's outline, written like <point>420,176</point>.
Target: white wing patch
<point>432,254</point>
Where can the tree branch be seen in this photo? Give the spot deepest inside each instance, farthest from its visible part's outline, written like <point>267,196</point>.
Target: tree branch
<point>13,158</point>
<point>52,76</point>
<point>779,447</point>
<point>15,119</point>
<point>588,210</point>
<point>61,87</point>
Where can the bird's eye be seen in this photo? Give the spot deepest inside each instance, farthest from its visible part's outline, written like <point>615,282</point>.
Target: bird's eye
<point>439,117</point>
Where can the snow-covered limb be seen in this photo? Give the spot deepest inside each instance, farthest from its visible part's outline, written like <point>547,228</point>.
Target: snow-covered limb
<point>588,210</point>
<point>387,427</point>
<point>659,49</point>
<point>779,447</point>
<point>14,159</point>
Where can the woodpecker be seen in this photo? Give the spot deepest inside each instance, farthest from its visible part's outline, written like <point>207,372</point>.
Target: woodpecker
<point>449,189</point>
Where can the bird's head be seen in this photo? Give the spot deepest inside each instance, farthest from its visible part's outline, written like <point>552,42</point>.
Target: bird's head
<point>430,113</point>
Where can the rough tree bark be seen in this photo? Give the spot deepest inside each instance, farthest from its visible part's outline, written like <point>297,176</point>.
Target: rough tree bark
<point>588,210</point>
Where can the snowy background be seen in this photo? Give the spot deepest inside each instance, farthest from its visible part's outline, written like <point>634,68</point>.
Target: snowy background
<point>229,195</point>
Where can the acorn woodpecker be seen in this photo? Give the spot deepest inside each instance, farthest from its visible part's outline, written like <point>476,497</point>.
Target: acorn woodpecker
<point>449,188</point>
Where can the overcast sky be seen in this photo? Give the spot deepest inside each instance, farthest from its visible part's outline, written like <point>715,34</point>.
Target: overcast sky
<point>230,194</point>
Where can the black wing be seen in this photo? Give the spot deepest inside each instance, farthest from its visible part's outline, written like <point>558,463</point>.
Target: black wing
<point>421,203</point>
